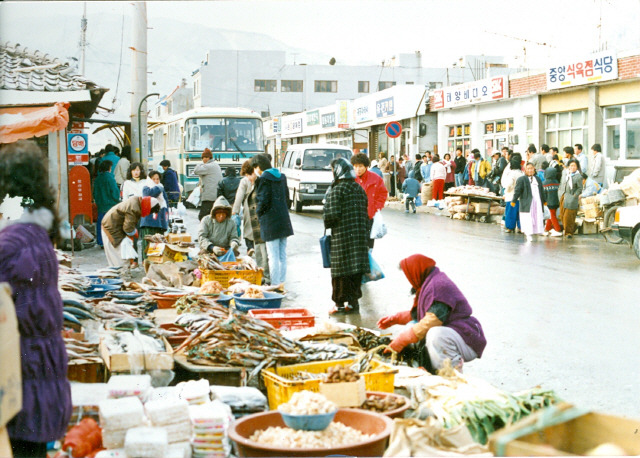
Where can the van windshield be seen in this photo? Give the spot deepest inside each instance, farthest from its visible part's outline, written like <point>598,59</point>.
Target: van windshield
<point>320,159</point>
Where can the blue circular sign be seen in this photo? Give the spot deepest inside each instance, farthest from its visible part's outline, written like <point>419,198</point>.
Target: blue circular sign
<point>393,129</point>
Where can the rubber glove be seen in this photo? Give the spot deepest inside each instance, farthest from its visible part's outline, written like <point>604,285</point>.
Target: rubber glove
<point>406,337</point>
<point>219,251</point>
<point>234,247</point>
<point>133,236</point>
<point>513,204</point>
<point>429,321</point>
<point>398,318</point>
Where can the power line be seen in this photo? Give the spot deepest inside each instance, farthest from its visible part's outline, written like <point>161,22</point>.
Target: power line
<point>115,96</point>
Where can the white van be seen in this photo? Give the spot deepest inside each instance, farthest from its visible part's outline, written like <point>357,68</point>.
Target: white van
<point>308,170</point>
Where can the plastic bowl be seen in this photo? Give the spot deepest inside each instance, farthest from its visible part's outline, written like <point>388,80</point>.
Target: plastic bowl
<point>223,300</point>
<point>395,413</point>
<point>105,281</point>
<point>364,421</point>
<point>270,301</point>
<point>96,291</point>
<point>317,422</point>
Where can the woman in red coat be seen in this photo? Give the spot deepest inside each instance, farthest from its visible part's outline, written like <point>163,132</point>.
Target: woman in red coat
<point>373,186</point>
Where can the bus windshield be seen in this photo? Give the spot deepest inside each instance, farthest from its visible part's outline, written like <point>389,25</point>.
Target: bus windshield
<point>320,159</point>
<point>224,134</point>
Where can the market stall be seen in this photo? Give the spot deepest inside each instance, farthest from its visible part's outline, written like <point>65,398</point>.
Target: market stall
<point>473,202</point>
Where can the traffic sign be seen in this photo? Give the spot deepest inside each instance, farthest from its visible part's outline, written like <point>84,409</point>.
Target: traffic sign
<point>393,129</point>
<point>78,149</point>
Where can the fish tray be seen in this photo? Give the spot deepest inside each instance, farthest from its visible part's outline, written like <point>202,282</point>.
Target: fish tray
<point>86,372</point>
<point>285,318</point>
<point>280,387</point>
<point>224,276</point>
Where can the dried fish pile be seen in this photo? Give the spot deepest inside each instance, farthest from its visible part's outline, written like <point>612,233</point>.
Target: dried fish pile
<point>192,303</point>
<point>368,339</point>
<point>82,352</point>
<point>210,261</point>
<point>223,337</point>
<point>156,238</point>
<point>70,280</point>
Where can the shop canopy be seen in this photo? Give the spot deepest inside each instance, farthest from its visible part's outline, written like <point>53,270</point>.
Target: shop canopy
<point>18,123</point>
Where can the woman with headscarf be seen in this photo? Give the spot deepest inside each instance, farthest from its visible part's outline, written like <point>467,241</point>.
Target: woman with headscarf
<point>551,185</point>
<point>121,222</point>
<point>155,223</point>
<point>445,328</point>
<point>345,213</point>
<point>529,192</point>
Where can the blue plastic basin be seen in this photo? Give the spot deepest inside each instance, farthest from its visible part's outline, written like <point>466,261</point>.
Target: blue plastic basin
<point>318,422</point>
<point>223,300</point>
<point>105,281</point>
<point>270,301</point>
<point>99,290</point>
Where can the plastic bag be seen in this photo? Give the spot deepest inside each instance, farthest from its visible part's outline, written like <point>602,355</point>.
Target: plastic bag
<point>375,271</point>
<point>378,229</point>
<point>182,210</point>
<point>418,201</point>
<point>236,219</point>
<point>194,197</point>
<point>546,214</point>
<point>127,251</point>
<point>229,256</point>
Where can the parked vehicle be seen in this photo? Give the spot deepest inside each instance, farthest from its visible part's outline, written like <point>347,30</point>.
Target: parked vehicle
<point>308,170</point>
<point>627,225</point>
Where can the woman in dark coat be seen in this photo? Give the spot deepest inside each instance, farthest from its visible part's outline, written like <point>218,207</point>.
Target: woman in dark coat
<point>570,190</point>
<point>345,213</point>
<point>529,192</point>
<point>551,185</point>
<point>29,265</point>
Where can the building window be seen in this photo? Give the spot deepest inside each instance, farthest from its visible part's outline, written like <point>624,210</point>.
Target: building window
<point>326,86</point>
<point>459,137</point>
<point>265,85</point>
<point>363,87</point>
<point>528,120</point>
<point>566,129</point>
<point>174,135</point>
<point>409,82</point>
<point>496,135</point>
<point>382,85</point>
<point>622,128</point>
<point>291,86</point>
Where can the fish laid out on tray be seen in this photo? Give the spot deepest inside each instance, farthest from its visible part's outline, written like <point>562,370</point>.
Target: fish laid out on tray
<point>81,351</point>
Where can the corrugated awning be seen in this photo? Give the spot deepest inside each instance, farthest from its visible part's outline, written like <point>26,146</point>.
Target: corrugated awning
<point>18,123</point>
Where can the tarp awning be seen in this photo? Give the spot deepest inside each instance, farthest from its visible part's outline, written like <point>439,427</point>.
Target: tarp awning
<point>18,123</point>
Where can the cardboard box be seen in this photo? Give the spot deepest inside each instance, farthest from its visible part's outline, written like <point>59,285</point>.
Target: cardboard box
<point>72,334</point>
<point>11,373</point>
<point>589,227</point>
<point>165,252</point>
<point>563,430</point>
<point>480,207</point>
<point>591,211</point>
<point>175,238</point>
<point>122,362</point>
<point>346,394</point>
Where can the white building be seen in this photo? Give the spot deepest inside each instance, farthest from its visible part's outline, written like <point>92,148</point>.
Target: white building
<point>264,82</point>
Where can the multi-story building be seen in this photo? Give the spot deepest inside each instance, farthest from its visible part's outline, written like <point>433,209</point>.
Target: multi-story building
<point>264,82</point>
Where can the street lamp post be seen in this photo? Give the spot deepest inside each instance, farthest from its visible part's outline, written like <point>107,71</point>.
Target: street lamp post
<point>140,125</point>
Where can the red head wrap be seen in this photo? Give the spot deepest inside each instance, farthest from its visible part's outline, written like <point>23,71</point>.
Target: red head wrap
<point>416,268</point>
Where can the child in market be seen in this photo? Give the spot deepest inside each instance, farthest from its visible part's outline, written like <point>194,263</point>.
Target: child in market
<point>410,187</point>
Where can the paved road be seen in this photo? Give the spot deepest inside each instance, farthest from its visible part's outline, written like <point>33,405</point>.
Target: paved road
<point>562,314</point>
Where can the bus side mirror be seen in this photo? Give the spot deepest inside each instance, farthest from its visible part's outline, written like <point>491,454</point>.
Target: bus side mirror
<point>298,162</point>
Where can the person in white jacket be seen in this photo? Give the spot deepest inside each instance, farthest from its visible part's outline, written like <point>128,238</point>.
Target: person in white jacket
<point>136,178</point>
<point>438,175</point>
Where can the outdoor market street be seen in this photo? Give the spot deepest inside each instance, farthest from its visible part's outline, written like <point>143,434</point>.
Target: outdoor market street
<point>557,313</point>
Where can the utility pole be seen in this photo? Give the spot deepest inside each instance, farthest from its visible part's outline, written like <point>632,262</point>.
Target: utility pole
<point>83,38</point>
<point>139,83</point>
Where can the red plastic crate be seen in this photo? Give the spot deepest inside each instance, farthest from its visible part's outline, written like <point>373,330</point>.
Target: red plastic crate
<point>285,318</point>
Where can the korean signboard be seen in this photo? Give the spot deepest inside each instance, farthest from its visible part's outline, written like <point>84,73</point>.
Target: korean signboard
<point>78,149</point>
<point>328,119</point>
<point>362,113</point>
<point>384,107</point>
<point>602,66</point>
<point>343,113</point>
<point>293,126</point>
<point>276,125</point>
<point>486,90</point>
<point>313,118</point>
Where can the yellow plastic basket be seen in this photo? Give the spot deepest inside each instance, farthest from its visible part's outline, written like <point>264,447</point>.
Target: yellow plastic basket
<point>223,276</point>
<point>280,387</point>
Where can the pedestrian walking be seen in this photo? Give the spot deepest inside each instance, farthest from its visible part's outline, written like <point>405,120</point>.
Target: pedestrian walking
<point>421,167</point>
<point>529,192</point>
<point>408,164</point>
<point>240,205</point>
<point>597,171</point>
<point>393,167</point>
<point>170,183</point>
<point>582,158</point>
<point>461,163</point>
<point>450,168</point>
<point>106,195</point>
<point>229,185</point>
<point>345,213</point>
<point>155,223</point>
<point>29,266</point>
<point>411,187</point>
<point>438,175</point>
<point>401,173</point>
<point>509,178</point>
<point>121,169</point>
<point>111,154</point>
<point>259,245</point>
<point>373,186</point>
<point>135,181</point>
<point>218,233</point>
<point>121,222</point>
<point>570,190</point>
<point>272,196</point>
<point>551,186</point>
<point>445,327</point>
<point>210,175</point>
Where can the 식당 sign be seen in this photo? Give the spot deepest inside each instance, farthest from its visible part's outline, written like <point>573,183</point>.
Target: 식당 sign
<point>602,66</point>
<point>78,149</point>
<point>486,90</point>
